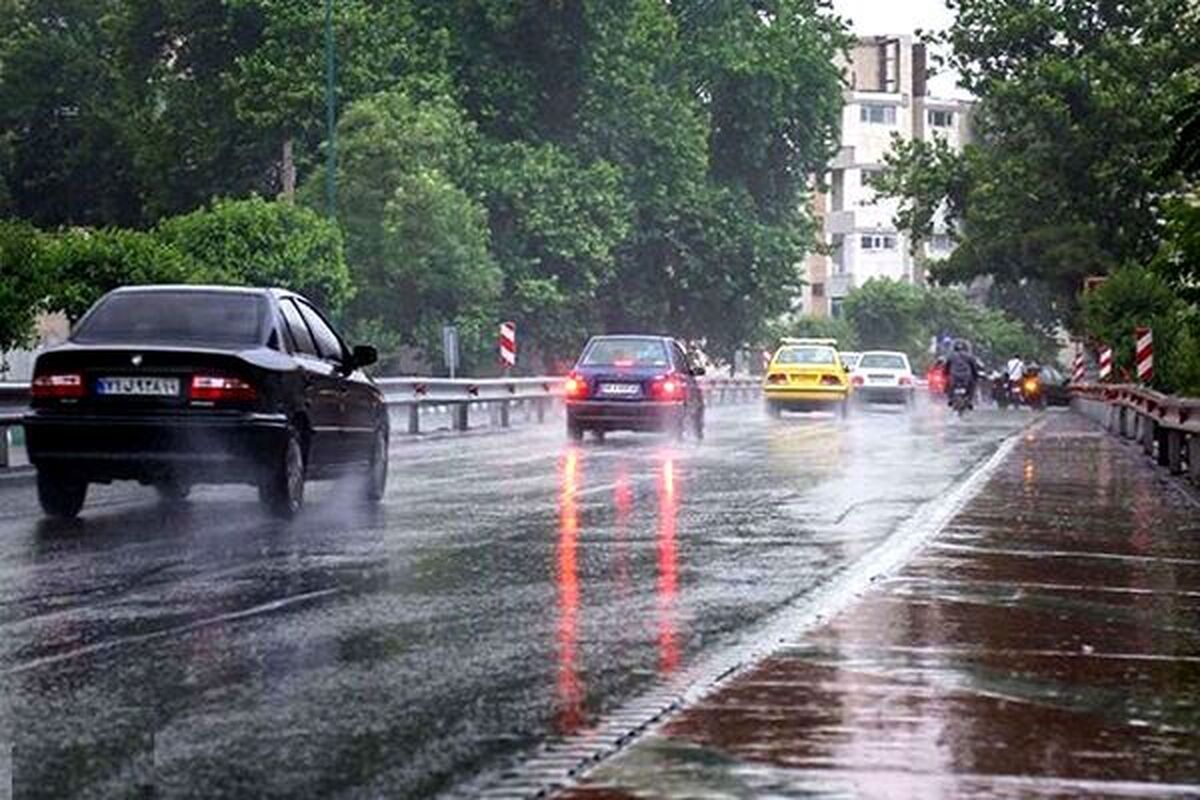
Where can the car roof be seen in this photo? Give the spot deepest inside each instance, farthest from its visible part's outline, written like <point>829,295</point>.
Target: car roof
<point>190,287</point>
<point>793,341</point>
<point>655,336</point>
<point>884,353</point>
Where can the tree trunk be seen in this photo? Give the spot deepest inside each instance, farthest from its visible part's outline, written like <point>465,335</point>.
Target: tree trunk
<point>287,172</point>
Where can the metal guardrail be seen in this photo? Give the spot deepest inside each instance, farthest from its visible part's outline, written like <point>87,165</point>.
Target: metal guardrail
<point>1167,427</point>
<point>407,398</point>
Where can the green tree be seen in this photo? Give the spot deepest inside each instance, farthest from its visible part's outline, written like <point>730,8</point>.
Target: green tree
<point>263,243</point>
<point>417,243</point>
<point>1073,149</point>
<point>1132,297</point>
<point>888,314</point>
<point>26,285</point>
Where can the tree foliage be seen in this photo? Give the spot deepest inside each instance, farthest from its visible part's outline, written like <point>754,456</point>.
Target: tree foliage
<point>1073,149</point>
<point>579,166</point>
<point>1133,297</point>
<point>25,287</point>
<point>258,242</point>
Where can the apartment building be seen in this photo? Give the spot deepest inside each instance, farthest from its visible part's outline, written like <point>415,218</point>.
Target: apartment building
<point>887,95</point>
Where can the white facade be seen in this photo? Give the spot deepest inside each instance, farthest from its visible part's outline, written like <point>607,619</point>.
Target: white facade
<point>886,98</point>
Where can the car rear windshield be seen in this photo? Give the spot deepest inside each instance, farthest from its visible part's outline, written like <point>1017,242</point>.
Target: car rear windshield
<point>626,353</point>
<point>218,319</point>
<point>806,355</point>
<point>882,361</point>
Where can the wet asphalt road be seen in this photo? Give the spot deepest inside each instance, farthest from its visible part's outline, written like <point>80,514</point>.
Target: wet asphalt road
<point>511,587</point>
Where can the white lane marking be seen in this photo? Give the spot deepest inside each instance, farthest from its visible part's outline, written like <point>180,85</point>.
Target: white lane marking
<point>112,644</point>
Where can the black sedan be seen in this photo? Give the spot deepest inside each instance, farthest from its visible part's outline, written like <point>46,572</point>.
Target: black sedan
<point>634,383</point>
<point>177,385</point>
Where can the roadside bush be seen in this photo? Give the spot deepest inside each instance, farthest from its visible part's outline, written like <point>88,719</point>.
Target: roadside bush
<point>84,263</point>
<point>264,243</point>
<point>25,286</point>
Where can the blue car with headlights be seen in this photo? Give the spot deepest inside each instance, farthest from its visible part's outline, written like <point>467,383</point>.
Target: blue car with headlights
<point>634,383</point>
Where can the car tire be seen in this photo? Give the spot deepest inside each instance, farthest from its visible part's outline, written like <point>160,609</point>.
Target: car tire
<point>574,430</point>
<point>698,425</point>
<point>282,489</point>
<point>61,495</point>
<point>844,409</point>
<point>172,491</point>
<point>676,427</point>
<point>377,468</point>
<point>773,410</point>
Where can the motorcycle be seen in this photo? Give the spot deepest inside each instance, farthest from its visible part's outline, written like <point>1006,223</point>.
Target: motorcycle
<point>1032,393</point>
<point>960,399</point>
<point>1000,392</point>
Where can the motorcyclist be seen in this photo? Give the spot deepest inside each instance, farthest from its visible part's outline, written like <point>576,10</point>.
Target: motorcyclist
<point>1014,371</point>
<point>962,370</point>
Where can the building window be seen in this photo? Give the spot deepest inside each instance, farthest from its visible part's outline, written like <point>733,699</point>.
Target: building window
<point>878,242</point>
<point>835,307</point>
<point>941,119</point>
<point>818,290</point>
<point>878,114</point>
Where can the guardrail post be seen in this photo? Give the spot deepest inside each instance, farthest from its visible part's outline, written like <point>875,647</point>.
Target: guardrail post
<point>541,410</point>
<point>1147,434</point>
<point>3,446</point>
<point>1174,451</point>
<point>1163,437</point>
<point>504,422</point>
<point>461,414</point>
<point>1193,454</point>
<point>414,419</point>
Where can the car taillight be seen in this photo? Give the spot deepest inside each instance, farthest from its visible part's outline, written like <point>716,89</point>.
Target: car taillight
<point>220,389</point>
<point>830,380</point>
<point>62,385</point>
<point>575,387</point>
<point>667,387</point>
<point>905,380</point>
<point>775,377</point>
<point>857,380</point>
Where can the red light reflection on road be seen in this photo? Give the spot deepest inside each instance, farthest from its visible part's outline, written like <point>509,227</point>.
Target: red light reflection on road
<point>668,507</point>
<point>623,502</point>
<point>569,689</point>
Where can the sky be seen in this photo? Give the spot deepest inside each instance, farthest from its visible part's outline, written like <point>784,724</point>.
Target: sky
<point>872,17</point>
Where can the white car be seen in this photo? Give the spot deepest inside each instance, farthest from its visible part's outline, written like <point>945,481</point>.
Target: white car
<point>883,376</point>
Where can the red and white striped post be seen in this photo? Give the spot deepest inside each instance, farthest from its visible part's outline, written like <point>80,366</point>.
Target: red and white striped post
<point>1079,372</point>
<point>1144,354</point>
<point>1106,363</point>
<point>508,344</point>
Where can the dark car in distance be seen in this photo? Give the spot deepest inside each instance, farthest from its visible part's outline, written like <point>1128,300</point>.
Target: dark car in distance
<point>634,383</point>
<point>177,385</point>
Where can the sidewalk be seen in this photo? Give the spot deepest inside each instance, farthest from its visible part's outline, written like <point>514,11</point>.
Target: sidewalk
<point>1047,644</point>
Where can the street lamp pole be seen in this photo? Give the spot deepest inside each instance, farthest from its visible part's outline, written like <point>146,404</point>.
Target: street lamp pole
<point>330,116</point>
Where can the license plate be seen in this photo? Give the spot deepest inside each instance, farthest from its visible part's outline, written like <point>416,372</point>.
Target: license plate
<point>619,389</point>
<point>881,379</point>
<point>138,387</point>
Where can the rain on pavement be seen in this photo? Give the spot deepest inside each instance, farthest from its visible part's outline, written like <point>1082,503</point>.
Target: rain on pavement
<point>511,588</point>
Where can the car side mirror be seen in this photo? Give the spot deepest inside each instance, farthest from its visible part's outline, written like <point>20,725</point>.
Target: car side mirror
<point>364,355</point>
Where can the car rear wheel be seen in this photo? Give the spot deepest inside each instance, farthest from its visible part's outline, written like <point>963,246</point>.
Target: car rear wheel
<point>698,424</point>
<point>773,410</point>
<point>282,490</point>
<point>574,430</point>
<point>172,490</point>
<point>61,495</point>
<point>377,470</point>
<point>676,426</point>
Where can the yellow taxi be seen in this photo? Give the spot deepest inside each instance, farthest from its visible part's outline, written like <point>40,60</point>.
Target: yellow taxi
<point>807,375</point>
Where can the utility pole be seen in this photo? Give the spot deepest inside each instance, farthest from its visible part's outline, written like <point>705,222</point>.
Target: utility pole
<point>330,116</point>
